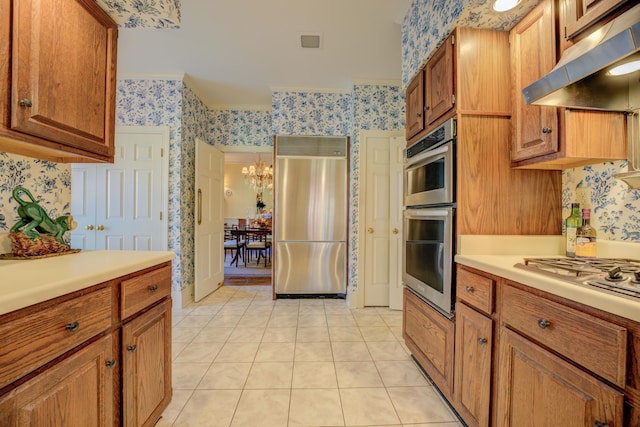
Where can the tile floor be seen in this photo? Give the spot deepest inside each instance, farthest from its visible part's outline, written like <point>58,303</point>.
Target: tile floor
<point>242,359</point>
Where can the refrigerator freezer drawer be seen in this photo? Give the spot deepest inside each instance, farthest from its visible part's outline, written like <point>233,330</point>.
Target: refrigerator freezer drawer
<point>311,268</point>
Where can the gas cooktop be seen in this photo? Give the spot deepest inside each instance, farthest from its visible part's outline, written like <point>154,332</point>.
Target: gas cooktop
<point>613,275</point>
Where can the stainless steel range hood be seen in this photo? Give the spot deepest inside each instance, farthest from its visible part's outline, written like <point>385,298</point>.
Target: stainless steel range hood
<point>580,78</point>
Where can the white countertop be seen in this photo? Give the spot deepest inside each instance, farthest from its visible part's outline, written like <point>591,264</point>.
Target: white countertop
<point>477,253</point>
<point>28,282</point>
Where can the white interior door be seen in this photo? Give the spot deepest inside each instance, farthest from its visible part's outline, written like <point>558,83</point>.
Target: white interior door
<point>123,206</point>
<point>380,255</point>
<point>396,170</point>
<point>209,221</point>
<point>83,205</point>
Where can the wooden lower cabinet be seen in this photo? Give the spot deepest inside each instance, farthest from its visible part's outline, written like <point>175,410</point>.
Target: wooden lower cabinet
<point>472,372</point>
<point>73,361</point>
<point>430,337</point>
<point>77,392</point>
<point>538,388</point>
<point>146,366</point>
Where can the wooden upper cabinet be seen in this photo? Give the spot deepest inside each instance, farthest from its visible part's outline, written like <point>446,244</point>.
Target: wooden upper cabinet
<point>535,128</point>
<point>546,137</point>
<point>415,105</point>
<point>439,96</point>
<point>582,14</point>
<point>58,84</point>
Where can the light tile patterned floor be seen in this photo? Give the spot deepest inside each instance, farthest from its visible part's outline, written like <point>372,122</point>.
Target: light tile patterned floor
<point>242,359</point>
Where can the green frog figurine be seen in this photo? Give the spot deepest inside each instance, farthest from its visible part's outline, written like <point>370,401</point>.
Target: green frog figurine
<point>35,222</point>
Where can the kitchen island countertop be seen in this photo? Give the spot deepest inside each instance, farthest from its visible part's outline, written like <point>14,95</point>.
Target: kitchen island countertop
<point>501,263</point>
<point>27,282</point>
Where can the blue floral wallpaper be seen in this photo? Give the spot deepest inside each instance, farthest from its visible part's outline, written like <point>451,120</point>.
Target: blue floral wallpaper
<point>143,13</point>
<point>312,113</point>
<point>240,127</point>
<point>615,208</point>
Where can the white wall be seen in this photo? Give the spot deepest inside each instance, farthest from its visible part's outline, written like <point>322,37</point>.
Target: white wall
<point>243,198</point>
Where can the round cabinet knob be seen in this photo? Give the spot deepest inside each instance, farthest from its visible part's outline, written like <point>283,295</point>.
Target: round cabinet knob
<point>469,288</point>
<point>418,115</point>
<point>132,348</point>
<point>89,227</point>
<point>482,340</point>
<point>110,363</point>
<point>153,288</point>
<point>100,227</point>
<point>26,102</point>
<point>72,327</point>
<point>543,323</point>
<point>370,230</point>
<point>546,130</point>
<point>395,231</point>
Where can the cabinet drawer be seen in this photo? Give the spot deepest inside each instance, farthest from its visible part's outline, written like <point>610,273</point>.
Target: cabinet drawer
<point>593,343</point>
<point>475,290</point>
<point>38,337</point>
<point>145,289</point>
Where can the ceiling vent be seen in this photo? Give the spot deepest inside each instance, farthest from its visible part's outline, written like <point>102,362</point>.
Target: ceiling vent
<point>310,41</point>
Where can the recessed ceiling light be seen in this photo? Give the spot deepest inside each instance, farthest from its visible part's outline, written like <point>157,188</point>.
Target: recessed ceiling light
<point>504,5</point>
<point>626,68</point>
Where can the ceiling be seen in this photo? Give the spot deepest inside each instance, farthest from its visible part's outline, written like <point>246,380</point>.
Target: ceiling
<point>236,52</point>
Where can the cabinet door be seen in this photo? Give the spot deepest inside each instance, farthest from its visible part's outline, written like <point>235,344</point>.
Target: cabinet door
<point>63,76</point>
<point>415,105</point>
<point>430,337</point>
<point>581,14</point>
<point>76,392</point>
<point>146,366</point>
<point>439,97</point>
<point>537,388</point>
<point>535,128</point>
<point>472,389</point>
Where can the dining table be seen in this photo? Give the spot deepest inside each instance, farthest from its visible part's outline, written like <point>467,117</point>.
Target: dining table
<point>238,233</point>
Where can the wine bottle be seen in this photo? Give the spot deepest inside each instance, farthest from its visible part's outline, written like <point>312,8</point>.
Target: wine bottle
<point>586,237</point>
<point>573,222</point>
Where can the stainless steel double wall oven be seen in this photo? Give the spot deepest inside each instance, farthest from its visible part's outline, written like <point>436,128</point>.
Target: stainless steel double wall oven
<point>429,217</point>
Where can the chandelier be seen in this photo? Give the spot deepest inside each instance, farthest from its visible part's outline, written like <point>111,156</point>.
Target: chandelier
<point>258,176</point>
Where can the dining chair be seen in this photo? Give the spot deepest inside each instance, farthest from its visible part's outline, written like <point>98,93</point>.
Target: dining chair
<point>260,245</point>
<point>237,244</point>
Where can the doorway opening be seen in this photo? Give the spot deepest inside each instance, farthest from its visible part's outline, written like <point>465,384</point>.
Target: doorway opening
<point>248,254</point>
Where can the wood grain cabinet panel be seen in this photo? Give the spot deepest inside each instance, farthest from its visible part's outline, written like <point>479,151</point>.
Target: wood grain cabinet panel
<point>415,105</point>
<point>77,392</point>
<point>439,96</point>
<point>582,14</point>
<point>28,342</point>
<point>146,366</point>
<point>430,337</point>
<point>596,344</point>
<point>537,388</point>
<point>473,359</point>
<point>57,85</point>
<point>475,290</point>
<point>145,289</point>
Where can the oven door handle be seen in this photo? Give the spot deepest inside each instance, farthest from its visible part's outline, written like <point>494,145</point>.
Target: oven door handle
<point>422,158</point>
<point>427,213</point>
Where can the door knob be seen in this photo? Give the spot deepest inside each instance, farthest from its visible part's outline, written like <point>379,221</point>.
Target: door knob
<point>89,227</point>
<point>100,227</point>
<point>394,231</point>
<point>370,230</point>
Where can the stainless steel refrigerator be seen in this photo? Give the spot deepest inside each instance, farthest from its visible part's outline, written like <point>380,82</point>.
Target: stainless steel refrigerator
<point>310,227</point>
